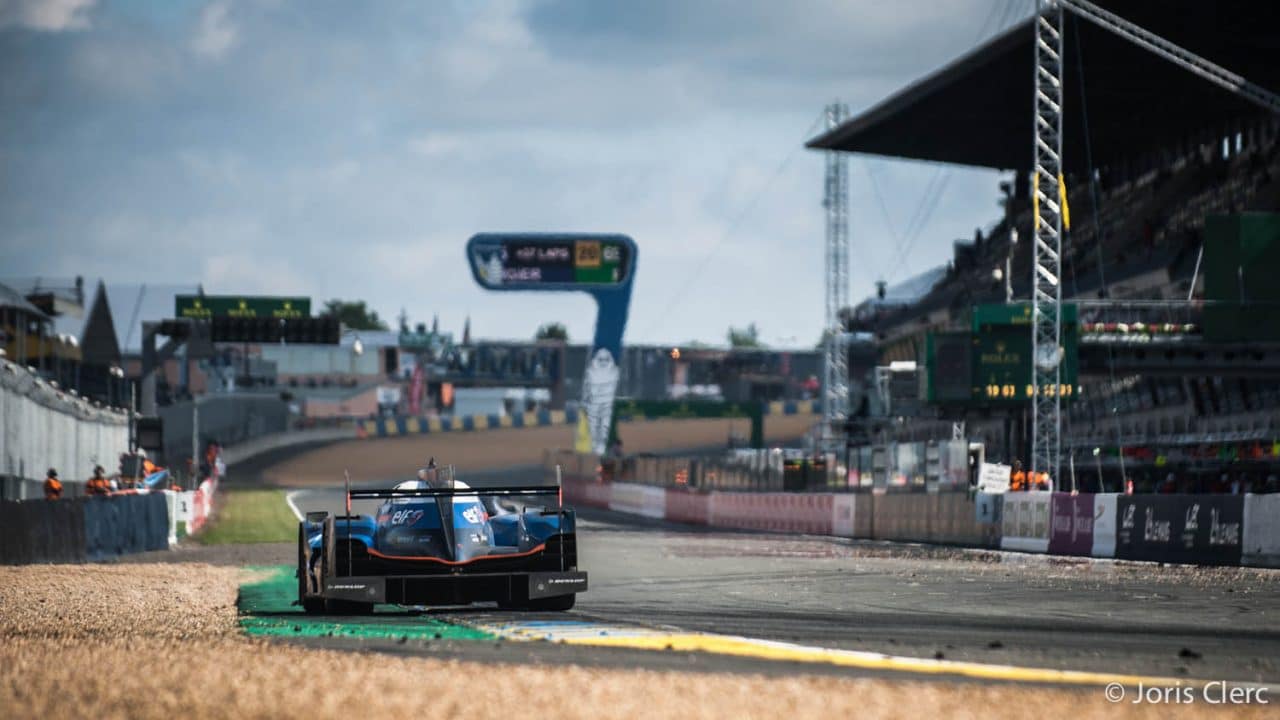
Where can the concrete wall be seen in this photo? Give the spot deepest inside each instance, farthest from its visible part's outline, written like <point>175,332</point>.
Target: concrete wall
<point>43,427</point>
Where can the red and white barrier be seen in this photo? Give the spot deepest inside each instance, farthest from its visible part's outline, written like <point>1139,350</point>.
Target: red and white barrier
<point>202,504</point>
<point>643,500</point>
<point>777,512</point>
<point>687,506</point>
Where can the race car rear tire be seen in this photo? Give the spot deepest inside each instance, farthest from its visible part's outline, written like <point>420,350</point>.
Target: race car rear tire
<point>310,605</point>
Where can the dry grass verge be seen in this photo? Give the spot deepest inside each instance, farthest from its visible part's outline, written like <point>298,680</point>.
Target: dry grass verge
<point>159,641</point>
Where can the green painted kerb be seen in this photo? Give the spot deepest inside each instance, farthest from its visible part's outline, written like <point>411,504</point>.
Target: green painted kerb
<point>266,608</point>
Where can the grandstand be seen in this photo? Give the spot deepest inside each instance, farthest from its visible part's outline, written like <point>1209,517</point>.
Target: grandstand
<point>1151,151</point>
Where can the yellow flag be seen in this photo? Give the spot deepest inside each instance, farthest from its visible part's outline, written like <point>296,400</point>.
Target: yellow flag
<point>1035,199</point>
<point>1062,197</point>
<point>582,440</point>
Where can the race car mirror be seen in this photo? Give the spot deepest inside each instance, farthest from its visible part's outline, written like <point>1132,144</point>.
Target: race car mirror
<point>601,265</point>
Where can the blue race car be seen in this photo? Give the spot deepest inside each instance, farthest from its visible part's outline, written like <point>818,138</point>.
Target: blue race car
<point>435,541</point>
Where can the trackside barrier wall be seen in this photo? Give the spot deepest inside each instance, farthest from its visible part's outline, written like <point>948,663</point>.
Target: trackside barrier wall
<point>1104,525</point>
<point>202,504</point>
<point>42,427</point>
<point>1071,524</point>
<point>180,511</point>
<point>1200,529</point>
<point>80,529</point>
<point>1262,530</point>
<point>1025,523</point>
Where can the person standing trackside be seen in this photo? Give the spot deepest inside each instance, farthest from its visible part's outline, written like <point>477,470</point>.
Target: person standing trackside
<point>98,484</point>
<point>52,485</point>
<point>1017,478</point>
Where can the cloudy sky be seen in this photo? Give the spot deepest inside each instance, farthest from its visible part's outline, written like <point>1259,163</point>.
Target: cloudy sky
<point>275,147</point>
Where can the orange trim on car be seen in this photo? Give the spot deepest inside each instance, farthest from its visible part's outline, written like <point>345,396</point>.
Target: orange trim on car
<point>423,558</point>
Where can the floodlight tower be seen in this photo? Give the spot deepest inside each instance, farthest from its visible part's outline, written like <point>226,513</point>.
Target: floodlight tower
<point>835,380</point>
<point>1046,285</point>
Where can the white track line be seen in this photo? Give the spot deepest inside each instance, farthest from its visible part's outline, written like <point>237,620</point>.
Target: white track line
<point>288,499</point>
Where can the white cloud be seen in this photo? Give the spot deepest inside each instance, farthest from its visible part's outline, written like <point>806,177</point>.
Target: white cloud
<point>351,155</point>
<point>46,15</point>
<point>216,33</point>
<point>435,144</point>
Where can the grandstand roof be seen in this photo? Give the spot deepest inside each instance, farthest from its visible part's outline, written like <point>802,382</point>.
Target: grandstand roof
<point>909,291</point>
<point>977,110</point>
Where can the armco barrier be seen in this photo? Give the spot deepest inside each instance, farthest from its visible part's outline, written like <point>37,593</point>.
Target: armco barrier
<point>1199,529</point>
<point>1071,524</point>
<point>1262,530</point>
<point>1025,523</point>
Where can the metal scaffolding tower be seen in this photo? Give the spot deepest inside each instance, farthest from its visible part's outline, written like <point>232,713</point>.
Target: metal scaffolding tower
<point>1049,195</point>
<point>1046,285</point>
<point>835,380</point>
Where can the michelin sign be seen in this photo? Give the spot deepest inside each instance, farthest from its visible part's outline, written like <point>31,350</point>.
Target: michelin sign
<point>601,265</point>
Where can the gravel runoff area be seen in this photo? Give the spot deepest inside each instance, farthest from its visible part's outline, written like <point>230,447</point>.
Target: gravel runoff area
<point>377,459</point>
<point>161,641</point>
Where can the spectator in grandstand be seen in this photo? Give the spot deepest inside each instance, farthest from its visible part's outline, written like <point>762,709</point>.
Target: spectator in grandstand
<point>98,484</point>
<point>1017,478</point>
<point>1041,481</point>
<point>52,486</point>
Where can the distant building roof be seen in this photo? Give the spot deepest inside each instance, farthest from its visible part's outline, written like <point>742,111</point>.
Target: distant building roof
<point>909,291</point>
<point>13,299</point>
<point>370,338</point>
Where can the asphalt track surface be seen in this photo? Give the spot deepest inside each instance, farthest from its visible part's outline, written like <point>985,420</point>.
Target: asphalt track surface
<point>901,600</point>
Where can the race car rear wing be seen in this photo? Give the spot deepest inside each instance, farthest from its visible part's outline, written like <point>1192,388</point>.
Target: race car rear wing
<point>456,492</point>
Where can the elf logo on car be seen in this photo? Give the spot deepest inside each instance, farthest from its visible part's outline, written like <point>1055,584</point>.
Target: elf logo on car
<point>474,515</point>
<point>405,517</point>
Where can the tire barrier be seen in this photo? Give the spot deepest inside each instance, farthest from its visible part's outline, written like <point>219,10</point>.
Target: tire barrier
<point>1194,529</point>
<point>82,529</point>
<point>392,427</point>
